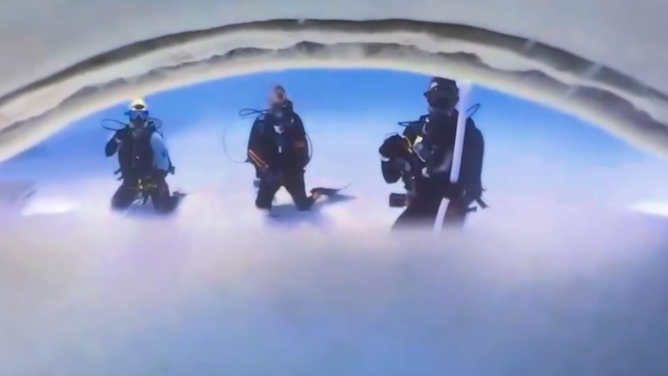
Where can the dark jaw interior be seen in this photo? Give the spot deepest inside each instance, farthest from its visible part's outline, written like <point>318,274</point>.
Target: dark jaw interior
<point>604,92</point>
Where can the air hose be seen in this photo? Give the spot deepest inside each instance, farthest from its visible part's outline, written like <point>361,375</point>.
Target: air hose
<point>157,124</point>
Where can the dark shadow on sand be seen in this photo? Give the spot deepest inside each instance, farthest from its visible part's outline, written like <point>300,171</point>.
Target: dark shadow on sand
<point>147,211</point>
<point>290,217</point>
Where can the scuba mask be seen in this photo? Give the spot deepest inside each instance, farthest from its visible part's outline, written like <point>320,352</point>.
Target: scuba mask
<point>138,117</point>
<point>138,121</point>
<point>138,114</point>
<point>442,95</point>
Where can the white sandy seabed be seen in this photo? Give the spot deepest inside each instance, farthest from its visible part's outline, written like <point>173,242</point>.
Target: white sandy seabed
<point>190,295</point>
<point>556,292</point>
<point>533,288</point>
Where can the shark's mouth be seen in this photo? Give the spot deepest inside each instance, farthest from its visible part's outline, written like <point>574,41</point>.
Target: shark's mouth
<point>604,96</point>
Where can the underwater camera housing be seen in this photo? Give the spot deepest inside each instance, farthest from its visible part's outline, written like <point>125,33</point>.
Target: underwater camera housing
<point>398,200</point>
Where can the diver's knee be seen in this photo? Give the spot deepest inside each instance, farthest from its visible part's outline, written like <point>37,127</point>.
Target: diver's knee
<point>262,204</point>
<point>305,204</point>
<point>122,198</point>
<point>165,204</point>
<point>120,203</point>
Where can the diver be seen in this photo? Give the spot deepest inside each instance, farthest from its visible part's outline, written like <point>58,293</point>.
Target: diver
<point>279,151</point>
<point>144,162</point>
<point>422,159</point>
<point>277,99</point>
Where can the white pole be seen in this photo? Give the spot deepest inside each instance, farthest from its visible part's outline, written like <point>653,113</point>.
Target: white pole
<point>462,107</point>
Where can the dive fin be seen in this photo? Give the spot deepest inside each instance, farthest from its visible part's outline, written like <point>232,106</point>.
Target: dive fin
<point>326,191</point>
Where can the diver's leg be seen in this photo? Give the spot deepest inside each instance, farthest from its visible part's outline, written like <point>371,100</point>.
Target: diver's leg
<point>412,219</point>
<point>161,197</point>
<point>420,214</point>
<point>455,214</point>
<point>123,198</point>
<point>258,177</point>
<point>296,187</point>
<point>265,194</point>
<point>404,219</point>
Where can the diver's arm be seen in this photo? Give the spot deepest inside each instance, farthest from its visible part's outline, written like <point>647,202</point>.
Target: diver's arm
<point>300,141</point>
<point>160,152</point>
<point>255,128</point>
<point>299,129</point>
<point>256,145</point>
<point>441,158</point>
<point>393,153</point>
<point>411,132</point>
<point>396,155</point>
<point>112,146</point>
<point>474,154</point>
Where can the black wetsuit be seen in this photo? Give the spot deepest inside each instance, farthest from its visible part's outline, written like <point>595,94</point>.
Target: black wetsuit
<point>436,134</point>
<point>136,167</point>
<point>279,160</point>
